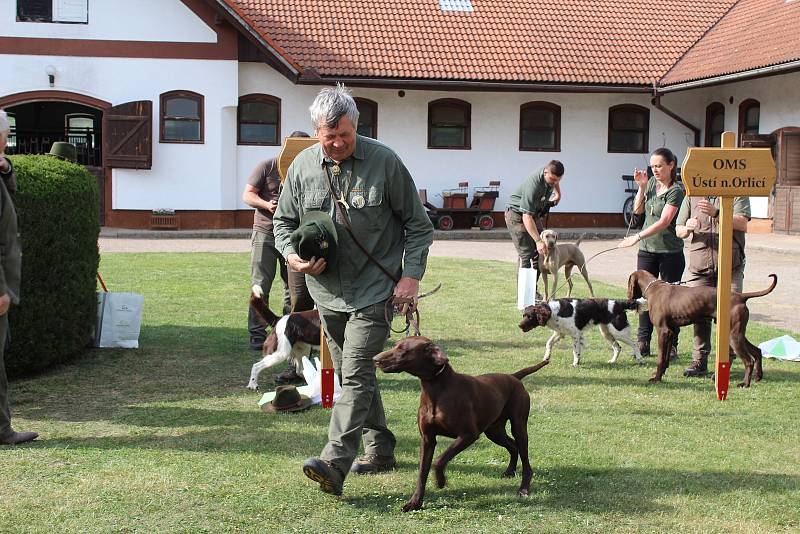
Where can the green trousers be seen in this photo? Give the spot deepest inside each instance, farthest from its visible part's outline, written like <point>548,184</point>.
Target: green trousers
<point>702,328</point>
<point>354,338</point>
<point>264,258</point>
<point>5,412</point>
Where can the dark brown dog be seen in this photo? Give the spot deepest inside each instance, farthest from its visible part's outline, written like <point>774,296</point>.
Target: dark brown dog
<point>461,407</point>
<point>672,306</point>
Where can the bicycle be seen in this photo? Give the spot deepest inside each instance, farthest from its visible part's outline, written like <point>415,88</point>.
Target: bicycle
<point>631,219</point>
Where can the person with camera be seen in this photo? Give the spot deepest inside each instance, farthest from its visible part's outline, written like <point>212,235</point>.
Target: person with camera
<point>537,194</point>
<point>660,250</point>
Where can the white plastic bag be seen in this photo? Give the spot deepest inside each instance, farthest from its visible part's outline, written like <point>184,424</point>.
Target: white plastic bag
<point>119,319</point>
<point>314,380</point>
<point>526,288</point>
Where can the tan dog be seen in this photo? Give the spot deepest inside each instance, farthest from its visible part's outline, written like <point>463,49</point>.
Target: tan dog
<point>558,256</point>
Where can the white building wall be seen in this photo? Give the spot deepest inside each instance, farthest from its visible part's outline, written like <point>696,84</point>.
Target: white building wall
<point>211,176</point>
<point>592,179</point>
<point>183,176</point>
<point>295,99</point>
<point>779,97</point>
<point>117,20</point>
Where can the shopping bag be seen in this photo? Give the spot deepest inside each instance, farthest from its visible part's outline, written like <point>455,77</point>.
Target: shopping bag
<point>119,319</point>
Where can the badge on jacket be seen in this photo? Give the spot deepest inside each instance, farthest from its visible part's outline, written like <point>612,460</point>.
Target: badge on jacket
<point>358,201</point>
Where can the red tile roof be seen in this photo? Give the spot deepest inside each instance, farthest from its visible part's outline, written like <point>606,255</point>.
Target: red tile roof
<point>754,34</point>
<point>626,42</point>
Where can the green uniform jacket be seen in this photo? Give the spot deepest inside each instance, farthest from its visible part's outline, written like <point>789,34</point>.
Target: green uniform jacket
<point>666,240</point>
<point>385,212</point>
<point>704,241</point>
<point>532,196</point>
<point>10,251</point>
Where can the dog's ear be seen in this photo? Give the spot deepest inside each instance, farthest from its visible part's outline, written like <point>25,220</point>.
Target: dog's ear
<point>543,314</point>
<point>634,291</point>
<point>437,354</point>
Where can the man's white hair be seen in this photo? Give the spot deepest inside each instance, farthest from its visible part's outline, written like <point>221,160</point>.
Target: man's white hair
<point>5,126</point>
<point>330,105</point>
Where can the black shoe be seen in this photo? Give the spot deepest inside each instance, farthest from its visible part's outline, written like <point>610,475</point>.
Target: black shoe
<point>15,438</point>
<point>256,343</point>
<point>330,479</point>
<point>644,348</point>
<point>696,369</point>
<point>289,376</point>
<point>370,464</point>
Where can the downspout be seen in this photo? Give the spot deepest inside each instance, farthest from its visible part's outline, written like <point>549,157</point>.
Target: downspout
<point>657,104</point>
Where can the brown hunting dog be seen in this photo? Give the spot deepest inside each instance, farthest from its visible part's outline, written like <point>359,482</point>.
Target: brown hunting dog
<point>461,407</point>
<point>672,306</point>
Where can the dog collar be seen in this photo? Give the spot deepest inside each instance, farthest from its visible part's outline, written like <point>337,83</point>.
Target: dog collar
<point>440,371</point>
<point>644,293</point>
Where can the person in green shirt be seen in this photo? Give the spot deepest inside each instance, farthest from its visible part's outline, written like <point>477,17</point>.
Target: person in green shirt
<point>523,209</point>
<point>10,274</point>
<point>698,219</point>
<point>660,249</point>
<point>379,198</point>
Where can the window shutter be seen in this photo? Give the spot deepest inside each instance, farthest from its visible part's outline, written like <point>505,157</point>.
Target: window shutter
<point>128,135</point>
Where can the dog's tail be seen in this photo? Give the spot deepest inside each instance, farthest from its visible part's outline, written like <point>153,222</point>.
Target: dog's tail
<point>763,292</point>
<point>522,373</point>
<point>639,305</point>
<point>578,242</point>
<point>261,306</point>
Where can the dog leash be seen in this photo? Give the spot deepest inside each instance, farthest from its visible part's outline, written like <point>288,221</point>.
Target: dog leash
<point>580,269</point>
<point>568,278</point>
<point>394,305</point>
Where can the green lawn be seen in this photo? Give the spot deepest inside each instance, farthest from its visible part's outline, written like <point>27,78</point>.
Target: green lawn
<point>167,439</point>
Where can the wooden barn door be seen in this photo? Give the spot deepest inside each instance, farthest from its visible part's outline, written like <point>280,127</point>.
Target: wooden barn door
<point>787,186</point>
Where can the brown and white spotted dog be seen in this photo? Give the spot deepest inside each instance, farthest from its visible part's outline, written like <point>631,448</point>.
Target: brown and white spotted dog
<point>571,317</point>
<point>291,338</point>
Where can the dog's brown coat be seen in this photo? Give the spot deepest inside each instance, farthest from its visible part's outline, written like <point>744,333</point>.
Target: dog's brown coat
<point>461,407</point>
<point>671,306</point>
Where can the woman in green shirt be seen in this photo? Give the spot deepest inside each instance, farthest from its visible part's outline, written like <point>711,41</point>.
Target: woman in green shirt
<point>660,249</point>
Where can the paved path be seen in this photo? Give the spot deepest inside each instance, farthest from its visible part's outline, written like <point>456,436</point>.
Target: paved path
<point>766,253</point>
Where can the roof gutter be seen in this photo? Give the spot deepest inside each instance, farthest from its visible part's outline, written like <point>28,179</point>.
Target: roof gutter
<point>764,71</point>
<point>466,85</point>
<point>658,105</point>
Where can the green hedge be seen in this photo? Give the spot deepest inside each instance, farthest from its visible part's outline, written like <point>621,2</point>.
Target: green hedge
<point>57,205</point>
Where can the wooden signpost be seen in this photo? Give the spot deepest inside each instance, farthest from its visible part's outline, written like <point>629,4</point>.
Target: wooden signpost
<point>727,172</point>
<point>292,146</point>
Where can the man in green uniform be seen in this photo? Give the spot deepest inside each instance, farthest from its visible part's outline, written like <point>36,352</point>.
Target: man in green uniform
<point>379,198</point>
<point>698,219</point>
<point>10,273</point>
<point>523,209</point>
